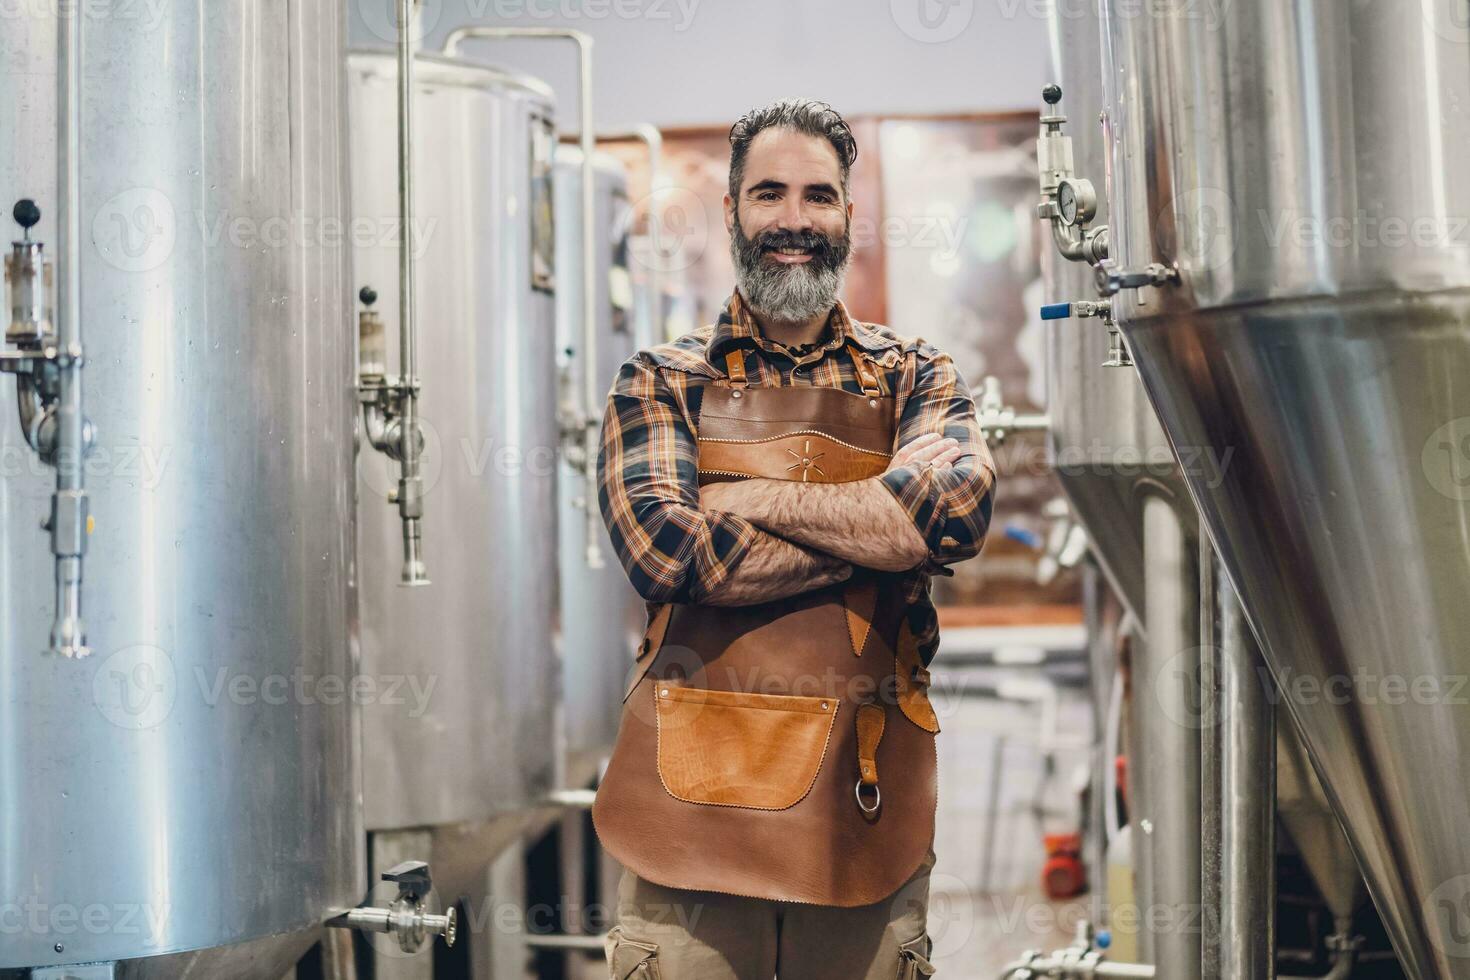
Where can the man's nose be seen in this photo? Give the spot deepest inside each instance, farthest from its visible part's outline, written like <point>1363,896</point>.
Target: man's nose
<point>794,216</point>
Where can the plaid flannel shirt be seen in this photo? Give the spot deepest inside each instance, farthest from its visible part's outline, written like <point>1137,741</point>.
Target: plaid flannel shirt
<point>648,485</point>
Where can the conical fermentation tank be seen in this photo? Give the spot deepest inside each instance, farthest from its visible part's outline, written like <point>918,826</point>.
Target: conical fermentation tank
<point>468,739</point>
<point>1288,170</point>
<point>183,801</point>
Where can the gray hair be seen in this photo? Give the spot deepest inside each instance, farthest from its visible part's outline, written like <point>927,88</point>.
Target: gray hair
<point>802,115</point>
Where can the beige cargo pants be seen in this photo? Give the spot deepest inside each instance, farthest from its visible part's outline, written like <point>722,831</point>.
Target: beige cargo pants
<point>672,934</point>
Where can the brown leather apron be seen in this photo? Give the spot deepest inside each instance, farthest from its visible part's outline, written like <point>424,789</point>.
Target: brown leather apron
<point>783,750</point>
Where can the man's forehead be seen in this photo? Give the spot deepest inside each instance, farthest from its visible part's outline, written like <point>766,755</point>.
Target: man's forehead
<point>792,157</point>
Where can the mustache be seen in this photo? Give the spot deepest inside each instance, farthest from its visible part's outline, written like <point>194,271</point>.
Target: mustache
<point>826,251</point>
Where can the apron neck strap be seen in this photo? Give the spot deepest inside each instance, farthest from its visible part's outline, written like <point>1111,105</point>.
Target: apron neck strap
<point>867,375</point>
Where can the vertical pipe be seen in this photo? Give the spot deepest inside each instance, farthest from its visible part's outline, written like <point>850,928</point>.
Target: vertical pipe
<point>1248,817</point>
<point>68,524</point>
<point>410,501</point>
<point>1171,677</point>
<point>1100,668</point>
<point>591,387</point>
<point>1210,762</point>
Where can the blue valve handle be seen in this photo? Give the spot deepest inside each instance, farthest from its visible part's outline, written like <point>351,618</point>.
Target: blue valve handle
<point>1056,311</point>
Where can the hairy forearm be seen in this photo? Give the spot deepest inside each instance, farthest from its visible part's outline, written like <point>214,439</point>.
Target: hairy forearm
<point>775,569</point>
<point>859,522</point>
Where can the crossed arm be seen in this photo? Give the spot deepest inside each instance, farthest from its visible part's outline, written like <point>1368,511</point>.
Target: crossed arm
<point>757,540</point>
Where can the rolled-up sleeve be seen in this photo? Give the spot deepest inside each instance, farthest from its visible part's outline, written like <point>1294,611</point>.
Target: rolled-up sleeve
<point>950,507</point>
<point>648,489</point>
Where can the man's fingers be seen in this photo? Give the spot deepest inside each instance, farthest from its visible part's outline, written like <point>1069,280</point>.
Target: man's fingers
<point>930,451</point>
<point>906,452</point>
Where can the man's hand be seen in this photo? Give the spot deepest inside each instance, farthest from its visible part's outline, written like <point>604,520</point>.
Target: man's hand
<point>928,448</point>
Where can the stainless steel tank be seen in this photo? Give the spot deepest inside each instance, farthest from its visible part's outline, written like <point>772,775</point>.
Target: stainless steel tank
<point>1104,441</point>
<point>469,738</point>
<point>602,617</point>
<point>1296,161</point>
<point>185,798</point>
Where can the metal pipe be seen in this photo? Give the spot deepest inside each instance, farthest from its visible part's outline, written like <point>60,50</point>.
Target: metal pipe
<point>1211,802</point>
<point>410,474</point>
<point>653,142</point>
<point>591,389</point>
<point>1248,815</point>
<point>564,942</point>
<point>1171,824</point>
<point>69,513</point>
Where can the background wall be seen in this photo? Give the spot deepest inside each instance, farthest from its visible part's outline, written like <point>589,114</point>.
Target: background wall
<point>705,62</point>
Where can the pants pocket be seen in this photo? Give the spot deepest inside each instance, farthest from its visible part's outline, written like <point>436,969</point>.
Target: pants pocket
<point>630,960</point>
<point>728,748</point>
<point>913,958</point>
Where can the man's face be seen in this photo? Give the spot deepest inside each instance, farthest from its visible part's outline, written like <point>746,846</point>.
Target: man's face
<point>789,228</point>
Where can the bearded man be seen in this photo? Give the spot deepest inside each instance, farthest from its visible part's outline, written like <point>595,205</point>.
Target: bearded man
<point>780,487</point>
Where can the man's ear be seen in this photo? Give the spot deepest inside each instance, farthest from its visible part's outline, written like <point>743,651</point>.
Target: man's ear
<point>729,214</point>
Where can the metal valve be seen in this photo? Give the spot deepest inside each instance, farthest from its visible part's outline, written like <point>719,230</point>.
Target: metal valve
<point>393,430</point>
<point>47,367</point>
<point>1068,202</point>
<point>405,918</point>
<point>997,419</point>
<point>1118,355</point>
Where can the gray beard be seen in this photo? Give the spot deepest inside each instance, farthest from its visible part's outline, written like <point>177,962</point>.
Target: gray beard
<point>785,293</point>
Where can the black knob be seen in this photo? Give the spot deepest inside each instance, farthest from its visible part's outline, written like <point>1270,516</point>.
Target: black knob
<point>26,213</point>
<point>1052,94</point>
<point>368,295</point>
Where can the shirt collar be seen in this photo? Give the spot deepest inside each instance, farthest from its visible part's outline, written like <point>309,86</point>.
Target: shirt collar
<point>736,326</point>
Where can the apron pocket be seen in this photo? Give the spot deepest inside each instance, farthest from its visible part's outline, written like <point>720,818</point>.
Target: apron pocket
<point>727,748</point>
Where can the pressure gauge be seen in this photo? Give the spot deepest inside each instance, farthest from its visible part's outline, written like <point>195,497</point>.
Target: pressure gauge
<point>1076,201</point>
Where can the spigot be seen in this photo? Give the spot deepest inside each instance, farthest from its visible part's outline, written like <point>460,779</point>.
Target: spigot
<point>406,918</point>
<point>1118,355</point>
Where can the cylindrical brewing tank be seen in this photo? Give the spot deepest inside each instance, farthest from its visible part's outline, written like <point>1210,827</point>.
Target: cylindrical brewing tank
<point>1297,162</point>
<point>469,736</point>
<point>601,615</point>
<point>1104,440</point>
<point>192,784</point>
